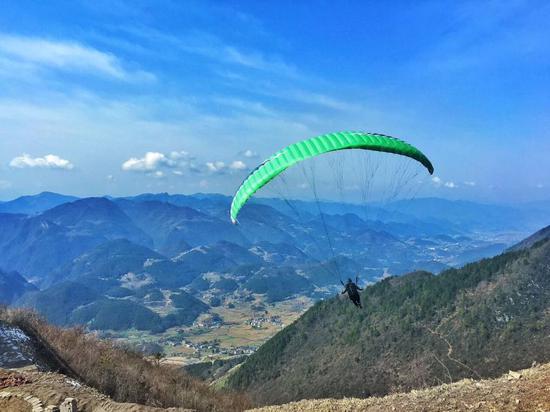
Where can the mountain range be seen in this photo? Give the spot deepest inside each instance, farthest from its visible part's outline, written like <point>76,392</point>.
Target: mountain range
<point>140,253</point>
<point>35,203</point>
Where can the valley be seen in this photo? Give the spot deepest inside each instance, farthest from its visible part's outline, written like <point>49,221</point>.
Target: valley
<point>220,334</point>
<point>170,275</point>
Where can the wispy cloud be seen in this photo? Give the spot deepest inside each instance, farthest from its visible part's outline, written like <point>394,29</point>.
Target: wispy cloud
<point>50,161</point>
<point>245,106</point>
<point>438,182</point>
<point>320,99</point>
<point>303,92</point>
<point>208,45</point>
<point>258,61</point>
<point>64,55</point>
<point>488,35</point>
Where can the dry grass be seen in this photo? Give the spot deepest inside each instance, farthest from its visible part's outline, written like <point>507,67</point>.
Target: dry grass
<point>120,373</point>
<point>524,391</point>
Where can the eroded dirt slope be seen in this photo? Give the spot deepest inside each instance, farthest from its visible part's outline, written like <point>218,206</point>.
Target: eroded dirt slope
<point>527,390</point>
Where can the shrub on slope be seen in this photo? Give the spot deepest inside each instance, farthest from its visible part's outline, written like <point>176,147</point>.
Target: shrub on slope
<point>122,374</point>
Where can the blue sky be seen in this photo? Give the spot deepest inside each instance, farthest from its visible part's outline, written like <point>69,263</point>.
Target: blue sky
<point>114,97</point>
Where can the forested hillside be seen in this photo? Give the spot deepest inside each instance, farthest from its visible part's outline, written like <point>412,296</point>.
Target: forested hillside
<point>414,331</point>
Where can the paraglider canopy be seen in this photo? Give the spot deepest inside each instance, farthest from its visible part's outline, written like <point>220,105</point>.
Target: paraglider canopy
<point>305,149</point>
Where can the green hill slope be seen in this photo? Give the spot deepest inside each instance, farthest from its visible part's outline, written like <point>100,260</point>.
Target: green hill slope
<point>415,331</point>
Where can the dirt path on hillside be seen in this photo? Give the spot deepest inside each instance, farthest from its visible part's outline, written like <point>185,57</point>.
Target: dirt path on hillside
<point>524,391</point>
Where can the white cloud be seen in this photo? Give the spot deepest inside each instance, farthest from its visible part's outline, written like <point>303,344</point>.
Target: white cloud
<point>177,172</point>
<point>216,167</point>
<point>49,161</point>
<point>238,165</point>
<point>147,163</point>
<point>65,55</point>
<point>438,182</point>
<point>248,153</point>
<point>539,186</point>
<point>152,161</point>
<point>470,183</point>
<point>182,154</point>
<point>220,167</point>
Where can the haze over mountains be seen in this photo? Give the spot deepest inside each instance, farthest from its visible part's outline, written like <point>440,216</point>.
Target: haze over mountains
<point>162,259</point>
<point>35,204</point>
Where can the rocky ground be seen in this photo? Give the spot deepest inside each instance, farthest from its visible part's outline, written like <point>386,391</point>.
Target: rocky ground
<point>527,390</point>
<point>26,391</point>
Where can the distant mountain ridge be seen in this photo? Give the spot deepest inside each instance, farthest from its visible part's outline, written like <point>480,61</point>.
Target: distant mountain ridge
<point>97,214</point>
<point>531,240</point>
<point>173,228</point>
<point>35,203</point>
<point>135,253</point>
<point>470,214</point>
<point>171,224</point>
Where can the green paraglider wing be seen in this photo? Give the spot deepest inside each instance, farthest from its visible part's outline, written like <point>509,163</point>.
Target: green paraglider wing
<point>315,146</point>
